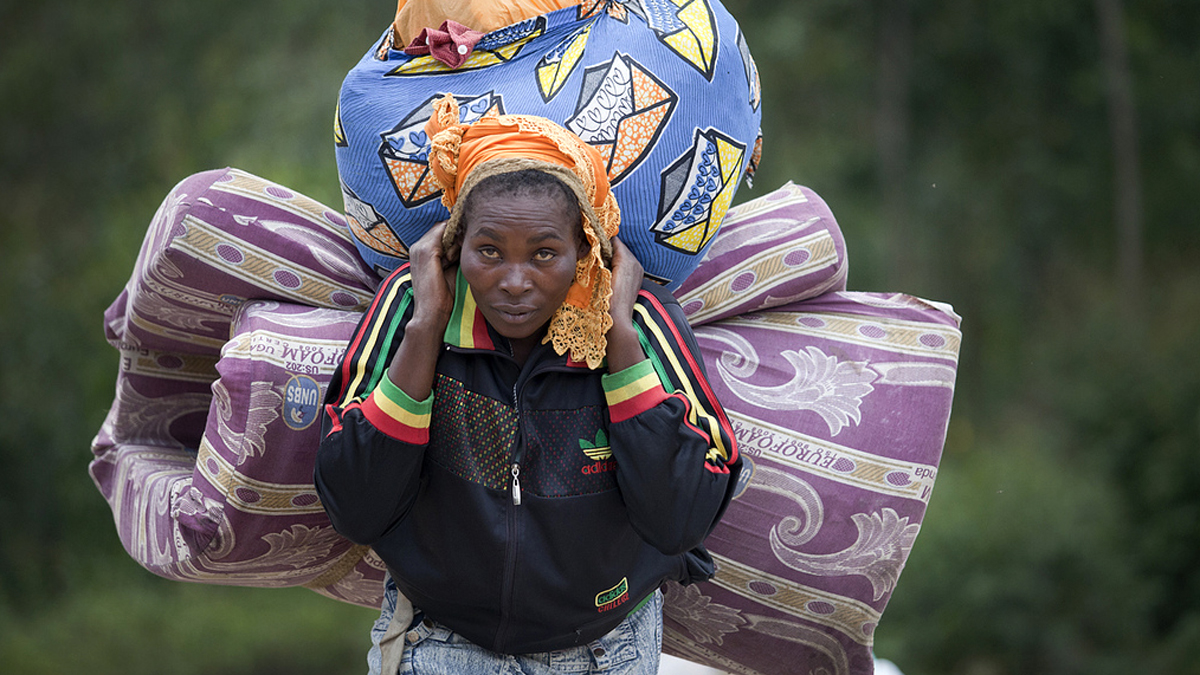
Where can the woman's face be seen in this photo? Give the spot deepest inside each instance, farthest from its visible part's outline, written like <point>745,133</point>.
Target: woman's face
<point>518,255</point>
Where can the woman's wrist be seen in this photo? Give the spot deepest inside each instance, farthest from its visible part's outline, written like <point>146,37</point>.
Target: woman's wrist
<point>425,329</point>
<point>414,364</point>
<point>624,348</point>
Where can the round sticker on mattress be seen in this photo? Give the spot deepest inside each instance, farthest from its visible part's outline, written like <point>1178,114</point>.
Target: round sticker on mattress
<point>301,399</point>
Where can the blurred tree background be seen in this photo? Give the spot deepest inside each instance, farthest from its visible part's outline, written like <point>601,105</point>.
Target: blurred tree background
<point>1034,164</point>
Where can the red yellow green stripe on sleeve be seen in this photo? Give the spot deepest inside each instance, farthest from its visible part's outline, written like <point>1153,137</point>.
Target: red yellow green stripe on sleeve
<point>370,348</point>
<point>632,391</point>
<point>682,375</point>
<point>397,415</point>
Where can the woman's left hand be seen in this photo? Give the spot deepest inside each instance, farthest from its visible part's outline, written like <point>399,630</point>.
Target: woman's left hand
<point>627,274</point>
<point>624,350</point>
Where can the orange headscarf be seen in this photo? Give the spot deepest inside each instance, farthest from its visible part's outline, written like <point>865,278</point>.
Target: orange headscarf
<point>463,154</point>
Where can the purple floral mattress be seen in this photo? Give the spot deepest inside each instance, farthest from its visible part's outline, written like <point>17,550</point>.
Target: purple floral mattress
<point>238,310</point>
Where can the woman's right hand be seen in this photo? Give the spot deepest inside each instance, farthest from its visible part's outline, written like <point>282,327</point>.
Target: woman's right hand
<point>414,364</point>
<point>433,281</point>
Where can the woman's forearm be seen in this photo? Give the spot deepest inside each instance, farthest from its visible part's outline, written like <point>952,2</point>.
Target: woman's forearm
<point>413,367</point>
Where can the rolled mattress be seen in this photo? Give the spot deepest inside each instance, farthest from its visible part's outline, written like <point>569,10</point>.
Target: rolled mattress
<point>239,308</point>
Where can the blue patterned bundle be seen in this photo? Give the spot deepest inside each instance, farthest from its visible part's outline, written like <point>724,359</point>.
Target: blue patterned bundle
<point>666,90</point>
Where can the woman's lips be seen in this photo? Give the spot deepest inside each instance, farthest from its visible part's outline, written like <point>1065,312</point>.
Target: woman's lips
<point>514,314</point>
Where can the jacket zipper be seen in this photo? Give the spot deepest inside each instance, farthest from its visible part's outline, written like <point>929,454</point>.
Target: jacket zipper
<point>515,467</point>
<point>516,458</point>
<point>516,484</point>
<point>508,588</point>
<point>510,561</point>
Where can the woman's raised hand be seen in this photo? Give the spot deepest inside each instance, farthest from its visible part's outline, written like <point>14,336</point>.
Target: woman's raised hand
<point>433,279</point>
<point>627,276</point>
<point>624,350</point>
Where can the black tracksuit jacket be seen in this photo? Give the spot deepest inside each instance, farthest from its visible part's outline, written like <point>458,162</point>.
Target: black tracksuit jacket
<point>527,508</point>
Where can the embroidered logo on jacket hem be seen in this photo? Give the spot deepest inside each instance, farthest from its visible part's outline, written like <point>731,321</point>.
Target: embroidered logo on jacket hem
<point>613,597</point>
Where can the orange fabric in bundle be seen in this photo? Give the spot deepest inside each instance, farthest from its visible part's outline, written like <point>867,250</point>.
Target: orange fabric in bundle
<point>412,16</point>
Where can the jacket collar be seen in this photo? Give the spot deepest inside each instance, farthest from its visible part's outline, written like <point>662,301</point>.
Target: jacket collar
<point>467,328</point>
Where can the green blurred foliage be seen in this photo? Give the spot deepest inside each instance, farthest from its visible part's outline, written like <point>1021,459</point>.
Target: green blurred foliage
<point>152,626</point>
<point>1019,570</point>
<point>104,107</point>
<point>1065,529</point>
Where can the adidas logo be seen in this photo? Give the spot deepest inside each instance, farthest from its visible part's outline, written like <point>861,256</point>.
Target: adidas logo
<point>598,450</point>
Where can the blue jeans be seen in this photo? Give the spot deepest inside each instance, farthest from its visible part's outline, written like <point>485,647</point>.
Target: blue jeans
<point>632,648</point>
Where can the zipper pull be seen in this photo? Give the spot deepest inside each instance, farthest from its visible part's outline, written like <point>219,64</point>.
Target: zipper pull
<point>516,486</point>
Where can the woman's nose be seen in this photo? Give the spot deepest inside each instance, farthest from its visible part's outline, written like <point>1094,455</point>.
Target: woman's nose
<point>515,280</point>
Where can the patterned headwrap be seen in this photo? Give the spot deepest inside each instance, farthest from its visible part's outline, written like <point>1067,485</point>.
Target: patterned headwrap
<point>464,154</point>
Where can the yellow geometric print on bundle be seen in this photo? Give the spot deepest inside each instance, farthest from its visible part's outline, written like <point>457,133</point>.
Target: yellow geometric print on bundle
<point>696,237</point>
<point>339,134</point>
<point>697,42</point>
<point>552,75</point>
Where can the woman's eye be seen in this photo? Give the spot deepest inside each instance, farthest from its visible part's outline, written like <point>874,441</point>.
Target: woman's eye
<point>544,255</point>
<point>489,253</point>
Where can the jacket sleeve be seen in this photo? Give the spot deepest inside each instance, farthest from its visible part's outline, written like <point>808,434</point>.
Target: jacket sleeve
<point>373,435</point>
<point>677,460</point>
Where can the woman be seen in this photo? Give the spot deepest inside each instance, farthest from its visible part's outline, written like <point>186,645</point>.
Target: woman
<point>520,427</point>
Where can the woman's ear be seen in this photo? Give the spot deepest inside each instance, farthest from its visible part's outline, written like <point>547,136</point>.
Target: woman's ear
<point>584,246</point>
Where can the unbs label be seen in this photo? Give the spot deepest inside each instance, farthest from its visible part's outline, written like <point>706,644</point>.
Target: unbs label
<point>301,400</point>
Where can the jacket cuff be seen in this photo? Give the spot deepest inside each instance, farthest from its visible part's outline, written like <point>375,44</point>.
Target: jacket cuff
<point>632,391</point>
<point>397,415</point>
